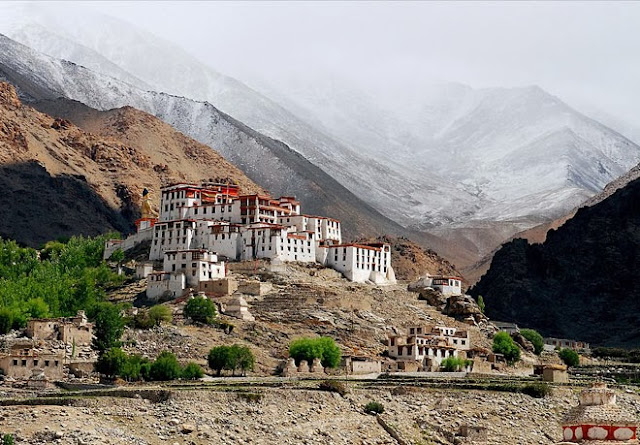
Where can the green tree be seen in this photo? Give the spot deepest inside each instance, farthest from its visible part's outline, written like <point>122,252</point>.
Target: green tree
<point>324,348</point>
<point>241,358</point>
<point>192,371</point>
<point>118,257</point>
<point>200,310</point>
<point>160,314</point>
<point>112,362</point>
<point>481,303</point>
<point>6,320</point>
<point>108,326</point>
<point>219,358</point>
<point>504,344</point>
<point>535,338</point>
<point>569,357</point>
<point>36,308</point>
<point>165,367</point>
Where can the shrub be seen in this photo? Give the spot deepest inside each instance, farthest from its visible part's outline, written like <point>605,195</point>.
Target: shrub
<point>112,362</point>
<point>142,320</point>
<point>481,304</point>
<point>333,386</point>
<point>6,320</point>
<point>108,327</point>
<point>308,349</point>
<point>453,364</point>
<point>569,357</point>
<point>160,314</point>
<point>374,408</point>
<point>7,439</point>
<point>192,371</point>
<point>251,397</point>
<point>200,310</point>
<point>504,344</point>
<point>242,357</point>
<point>535,338</point>
<point>537,390</point>
<point>165,367</point>
<point>136,368</point>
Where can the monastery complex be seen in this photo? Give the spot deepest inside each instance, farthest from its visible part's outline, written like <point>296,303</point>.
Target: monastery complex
<point>201,226</point>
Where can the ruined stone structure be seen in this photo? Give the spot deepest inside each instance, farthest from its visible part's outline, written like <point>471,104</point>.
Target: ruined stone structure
<point>598,420</point>
<point>70,330</point>
<point>289,368</point>
<point>361,365</point>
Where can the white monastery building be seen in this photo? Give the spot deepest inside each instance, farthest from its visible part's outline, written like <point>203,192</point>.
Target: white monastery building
<point>197,224</point>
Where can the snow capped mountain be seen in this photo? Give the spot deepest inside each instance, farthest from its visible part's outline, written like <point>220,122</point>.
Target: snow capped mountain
<point>430,156</point>
<point>268,162</point>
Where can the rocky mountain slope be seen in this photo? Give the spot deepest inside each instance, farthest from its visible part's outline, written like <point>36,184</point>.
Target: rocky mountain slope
<point>59,180</point>
<point>581,282</point>
<point>266,161</point>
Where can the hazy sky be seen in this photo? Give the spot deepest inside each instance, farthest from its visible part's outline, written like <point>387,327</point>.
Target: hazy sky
<point>587,53</point>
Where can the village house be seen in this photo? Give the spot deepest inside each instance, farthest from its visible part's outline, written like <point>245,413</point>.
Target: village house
<point>509,328</point>
<point>446,285</point>
<point>215,217</point>
<point>429,346</point>
<point>20,363</point>
<point>552,343</point>
<point>70,330</point>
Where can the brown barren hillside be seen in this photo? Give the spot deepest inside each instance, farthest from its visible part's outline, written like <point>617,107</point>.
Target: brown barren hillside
<point>59,180</point>
<point>411,261</point>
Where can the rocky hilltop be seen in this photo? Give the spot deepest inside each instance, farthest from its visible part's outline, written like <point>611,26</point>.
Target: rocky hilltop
<point>581,282</point>
<point>59,180</point>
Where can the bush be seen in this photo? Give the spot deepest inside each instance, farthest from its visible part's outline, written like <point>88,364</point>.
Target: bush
<point>112,362</point>
<point>504,344</point>
<point>374,408</point>
<point>7,439</point>
<point>569,357</point>
<point>537,390</point>
<point>333,386</point>
<point>200,310</point>
<point>535,338</point>
<point>454,364</point>
<point>165,367</point>
<point>192,371</point>
<point>308,349</point>
<point>218,358</point>
<point>160,314</point>
<point>136,368</point>
<point>142,320</point>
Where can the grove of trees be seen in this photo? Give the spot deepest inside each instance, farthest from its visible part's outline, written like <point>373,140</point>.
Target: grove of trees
<point>324,348</point>
<point>231,358</point>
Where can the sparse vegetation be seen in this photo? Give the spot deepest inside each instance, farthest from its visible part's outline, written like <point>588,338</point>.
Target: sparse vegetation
<point>569,357</point>
<point>453,364</point>
<point>504,344</point>
<point>251,397</point>
<point>535,338</point>
<point>201,310</point>
<point>333,386</point>
<point>374,408</point>
<point>324,348</point>
<point>537,390</point>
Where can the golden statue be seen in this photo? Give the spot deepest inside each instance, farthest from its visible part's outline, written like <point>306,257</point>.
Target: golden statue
<point>145,208</point>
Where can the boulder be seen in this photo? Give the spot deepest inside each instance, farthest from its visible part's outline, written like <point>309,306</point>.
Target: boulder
<point>433,298</point>
<point>461,307</point>
<point>523,342</point>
